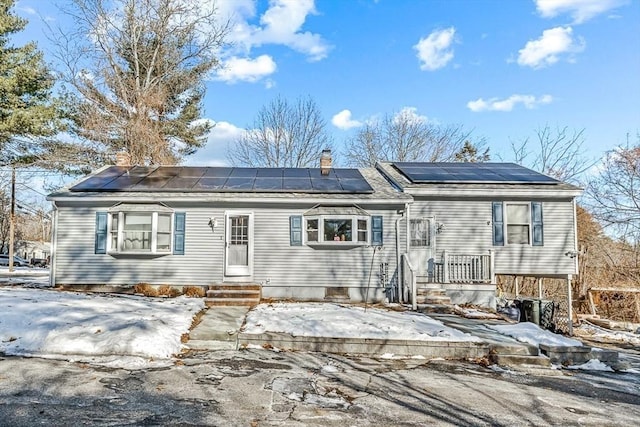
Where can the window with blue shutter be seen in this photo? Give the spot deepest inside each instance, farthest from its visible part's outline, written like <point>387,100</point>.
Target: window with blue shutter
<point>178,233</point>
<point>295,230</point>
<point>498,224</point>
<point>536,224</point>
<point>376,230</point>
<point>101,233</point>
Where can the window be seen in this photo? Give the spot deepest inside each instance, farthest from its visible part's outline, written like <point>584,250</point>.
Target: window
<point>521,221</point>
<point>518,223</point>
<point>420,232</point>
<point>337,229</point>
<point>312,230</point>
<point>140,232</point>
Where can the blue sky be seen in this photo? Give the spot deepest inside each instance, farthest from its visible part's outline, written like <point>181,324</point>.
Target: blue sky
<point>501,68</point>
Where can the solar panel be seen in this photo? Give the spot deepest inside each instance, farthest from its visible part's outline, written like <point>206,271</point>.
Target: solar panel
<point>267,184</point>
<point>225,179</point>
<point>270,173</point>
<point>355,185</point>
<point>296,173</point>
<point>297,184</point>
<point>206,183</point>
<point>239,184</point>
<point>505,173</point>
<point>243,173</point>
<point>217,172</point>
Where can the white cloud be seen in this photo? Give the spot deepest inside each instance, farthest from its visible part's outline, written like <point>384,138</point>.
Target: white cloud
<point>281,24</point>
<point>237,69</point>
<point>580,10</point>
<point>214,152</point>
<point>343,120</point>
<point>410,114</point>
<point>547,50</point>
<point>508,104</point>
<point>27,9</point>
<point>434,51</point>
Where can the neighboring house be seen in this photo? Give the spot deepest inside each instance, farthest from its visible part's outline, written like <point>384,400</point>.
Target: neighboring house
<point>316,233</point>
<point>29,250</point>
<point>471,221</point>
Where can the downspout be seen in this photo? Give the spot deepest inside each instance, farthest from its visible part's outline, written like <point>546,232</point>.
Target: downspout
<point>407,217</point>
<point>54,246</point>
<point>398,256</point>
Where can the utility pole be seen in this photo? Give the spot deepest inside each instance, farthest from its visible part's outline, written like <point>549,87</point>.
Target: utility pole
<point>12,216</point>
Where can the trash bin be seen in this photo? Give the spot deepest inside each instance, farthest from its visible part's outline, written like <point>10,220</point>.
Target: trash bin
<point>530,311</point>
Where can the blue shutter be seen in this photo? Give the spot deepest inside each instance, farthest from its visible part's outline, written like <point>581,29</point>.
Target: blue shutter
<point>101,233</point>
<point>178,233</point>
<point>536,224</point>
<point>498,224</point>
<point>376,230</point>
<point>295,230</point>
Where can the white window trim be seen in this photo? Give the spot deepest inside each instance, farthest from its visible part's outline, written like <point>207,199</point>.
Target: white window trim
<point>507,224</point>
<point>154,233</point>
<point>354,230</point>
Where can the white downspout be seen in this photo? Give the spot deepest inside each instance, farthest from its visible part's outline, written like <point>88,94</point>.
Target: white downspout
<point>398,258</point>
<point>54,246</point>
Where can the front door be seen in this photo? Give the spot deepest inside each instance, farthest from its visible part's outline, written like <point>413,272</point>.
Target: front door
<point>422,245</point>
<point>239,244</point>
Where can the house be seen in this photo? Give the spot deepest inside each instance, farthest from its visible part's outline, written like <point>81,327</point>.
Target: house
<point>316,233</point>
<point>300,233</point>
<point>469,222</point>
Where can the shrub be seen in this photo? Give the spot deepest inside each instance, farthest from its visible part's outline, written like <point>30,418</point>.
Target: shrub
<point>194,291</point>
<point>145,289</point>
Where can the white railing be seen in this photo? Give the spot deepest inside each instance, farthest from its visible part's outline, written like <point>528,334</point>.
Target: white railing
<point>408,282</point>
<point>465,268</point>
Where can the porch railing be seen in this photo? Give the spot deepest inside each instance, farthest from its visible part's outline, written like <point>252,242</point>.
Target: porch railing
<point>465,268</point>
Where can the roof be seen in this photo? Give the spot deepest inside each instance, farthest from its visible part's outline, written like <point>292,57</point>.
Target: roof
<point>473,179</point>
<point>163,183</point>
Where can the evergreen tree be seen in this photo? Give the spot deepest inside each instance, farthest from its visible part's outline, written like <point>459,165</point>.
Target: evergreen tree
<point>26,109</point>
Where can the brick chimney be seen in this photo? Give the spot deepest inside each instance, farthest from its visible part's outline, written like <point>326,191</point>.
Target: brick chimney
<point>325,162</point>
<point>123,158</point>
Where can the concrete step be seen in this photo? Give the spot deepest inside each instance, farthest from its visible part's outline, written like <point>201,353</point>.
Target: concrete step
<point>235,286</point>
<point>233,293</point>
<point>519,360</point>
<point>211,302</point>
<point>435,299</point>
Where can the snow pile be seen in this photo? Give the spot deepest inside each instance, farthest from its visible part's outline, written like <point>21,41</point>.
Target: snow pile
<point>531,333</point>
<point>37,322</point>
<point>337,321</point>
<point>597,333</point>
<point>592,365</point>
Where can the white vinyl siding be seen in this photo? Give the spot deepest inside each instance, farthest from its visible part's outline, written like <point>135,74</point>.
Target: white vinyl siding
<point>467,229</point>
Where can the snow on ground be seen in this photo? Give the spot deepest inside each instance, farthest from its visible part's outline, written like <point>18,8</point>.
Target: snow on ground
<point>48,323</point>
<point>531,333</point>
<point>592,365</point>
<point>597,333</point>
<point>341,321</point>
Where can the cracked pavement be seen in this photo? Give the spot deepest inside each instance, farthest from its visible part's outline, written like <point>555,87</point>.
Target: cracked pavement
<point>266,388</point>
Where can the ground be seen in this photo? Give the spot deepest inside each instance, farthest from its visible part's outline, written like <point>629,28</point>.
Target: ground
<point>266,388</point>
<point>82,377</point>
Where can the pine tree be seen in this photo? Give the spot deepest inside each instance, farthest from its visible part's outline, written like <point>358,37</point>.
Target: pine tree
<point>26,109</point>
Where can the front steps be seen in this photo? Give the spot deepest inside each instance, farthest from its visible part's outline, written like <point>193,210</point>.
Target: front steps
<point>431,298</point>
<point>237,294</point>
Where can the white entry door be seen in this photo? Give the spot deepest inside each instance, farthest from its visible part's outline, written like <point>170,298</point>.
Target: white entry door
<point>238,244</point>
<point>422,244</point>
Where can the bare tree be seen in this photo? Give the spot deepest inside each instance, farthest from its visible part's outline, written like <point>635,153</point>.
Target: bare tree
<point>283,134</point>
<point>405,136</point>
<point>614,194</point>
<point>137,71</point>
<point>555,152</point>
